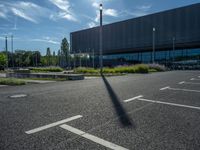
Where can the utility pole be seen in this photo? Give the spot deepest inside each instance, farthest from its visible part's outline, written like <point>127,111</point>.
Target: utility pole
<point>12,51</point>
<point>173,39</point>
<point>93,58</point>
<point>36,60</point>
<point>153,57</point>
<point>80,65</point>
<point>74,60</point>
<point>100,38</point>
<point>6,46</point>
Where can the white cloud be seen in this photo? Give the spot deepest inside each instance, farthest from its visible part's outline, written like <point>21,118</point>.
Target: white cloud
<point>3,11</point>
<point>133,13</point>
<point>138,11</point>
<point>62,4</point>
<point>23,15</point>
<point>91,24</point>
<point>95,4</point>
<point>46,40</point>
<point>144,7</point>
<point>69,17</point>
<point>3,15</point>
<point>65,10</point>
<point>106,11</point>
<point>110,12</point>
<point>26,10</point>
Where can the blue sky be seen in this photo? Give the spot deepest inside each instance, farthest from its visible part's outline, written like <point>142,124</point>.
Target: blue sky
<point>38,24</point>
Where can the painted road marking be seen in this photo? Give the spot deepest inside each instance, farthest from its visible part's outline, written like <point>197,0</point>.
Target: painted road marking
<point>18,96</point>
<point>194,79</point>
<point>3,85</point>
<point>92,138</point>
<point>131,99</point>
<point>167,103</point>
<point>181,82</point>
<point>178,89</point>
<point>164,88</point>
<point>52,124</point>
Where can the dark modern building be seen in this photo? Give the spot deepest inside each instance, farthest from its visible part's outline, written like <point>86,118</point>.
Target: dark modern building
<point>177,38</point>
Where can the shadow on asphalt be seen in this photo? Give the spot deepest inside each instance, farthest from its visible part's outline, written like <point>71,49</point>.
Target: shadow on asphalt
<point>121,112</point>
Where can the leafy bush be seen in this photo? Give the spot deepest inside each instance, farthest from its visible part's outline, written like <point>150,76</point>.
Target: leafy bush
<point>22,71</point>
<point>120,69</point>
<point>86,70</point>
<point>11,81</point>
<point>141,69</point>
<point>47,69</point>
<point>157,67</point>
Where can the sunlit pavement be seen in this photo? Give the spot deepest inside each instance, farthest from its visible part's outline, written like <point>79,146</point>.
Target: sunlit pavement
<point>140,111</point>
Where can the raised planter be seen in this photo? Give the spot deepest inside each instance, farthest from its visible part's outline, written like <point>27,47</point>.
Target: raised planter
<point>46,75</point>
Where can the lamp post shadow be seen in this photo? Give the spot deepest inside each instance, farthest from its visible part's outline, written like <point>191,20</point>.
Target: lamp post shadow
<point>124,118</point>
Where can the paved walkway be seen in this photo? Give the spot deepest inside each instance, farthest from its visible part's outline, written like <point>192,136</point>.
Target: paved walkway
<point>38,81</point>
<point>2,75</point>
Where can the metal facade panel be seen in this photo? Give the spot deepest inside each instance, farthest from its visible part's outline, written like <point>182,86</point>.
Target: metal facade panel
<point>136,34</point>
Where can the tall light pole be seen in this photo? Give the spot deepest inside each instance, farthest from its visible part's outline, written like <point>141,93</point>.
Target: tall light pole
<point>93,58</point>
<point>153,57</point>
<point>173,39</point>
<point>173,42</point>
<point>6,48</point>
<point>100,37</point>
<point>12,50</point>
<point>80,64</point>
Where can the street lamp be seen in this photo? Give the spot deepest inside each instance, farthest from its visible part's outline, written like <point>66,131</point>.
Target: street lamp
<point>12,51</point>
<point>93,58</point>
<point>173,46</point>
<point>173,39</point>
<point>153,57</point>
<point>6,48</point>
<point>100,37</point>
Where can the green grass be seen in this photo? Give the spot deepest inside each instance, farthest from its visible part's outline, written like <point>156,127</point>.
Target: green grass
<point>50,79</point>
<point>11,81</point>
<point>120,70</point>
<point>46,69</point>
<point>117,70</point>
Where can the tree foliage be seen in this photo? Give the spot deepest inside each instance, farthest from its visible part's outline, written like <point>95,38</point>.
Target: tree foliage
<point>3,60</point>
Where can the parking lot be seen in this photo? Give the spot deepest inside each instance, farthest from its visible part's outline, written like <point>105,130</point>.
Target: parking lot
<point>139,111</point>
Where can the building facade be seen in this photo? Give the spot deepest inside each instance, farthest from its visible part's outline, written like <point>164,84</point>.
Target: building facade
<point>174,33</point>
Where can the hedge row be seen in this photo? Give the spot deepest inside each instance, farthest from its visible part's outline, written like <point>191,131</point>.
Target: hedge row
<point>141,68</point>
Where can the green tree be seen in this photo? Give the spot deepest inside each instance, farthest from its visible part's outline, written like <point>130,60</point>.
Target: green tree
<point>48,54</point>
<point>65,51</point>
<point>3,60</point>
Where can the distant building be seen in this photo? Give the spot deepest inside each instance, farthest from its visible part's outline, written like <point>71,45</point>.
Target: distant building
<point>177,38</point>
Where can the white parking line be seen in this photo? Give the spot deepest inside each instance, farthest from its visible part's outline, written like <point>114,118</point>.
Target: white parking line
<point>188,83</point>
<point>167,103</point>
<point>52,125</point>
<point>164,88</point>
<point>18,96</point>
<point>92,138</point>
<point>194,79</point>
<point>181,82</point>
<point>178,89</point>
<point>3,85</point>
<point>131,99</point>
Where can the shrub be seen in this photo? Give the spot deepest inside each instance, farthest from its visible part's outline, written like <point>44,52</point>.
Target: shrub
<point>86,70</point>
<point>141,68</point>
<point>22,71</point>
<point>120,69</point>
<point>157,67</point>
<point>11,81</point>
<point>47,69</point>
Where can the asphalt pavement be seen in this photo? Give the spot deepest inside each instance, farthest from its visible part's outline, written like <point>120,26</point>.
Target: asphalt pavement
<point>139,111</point>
